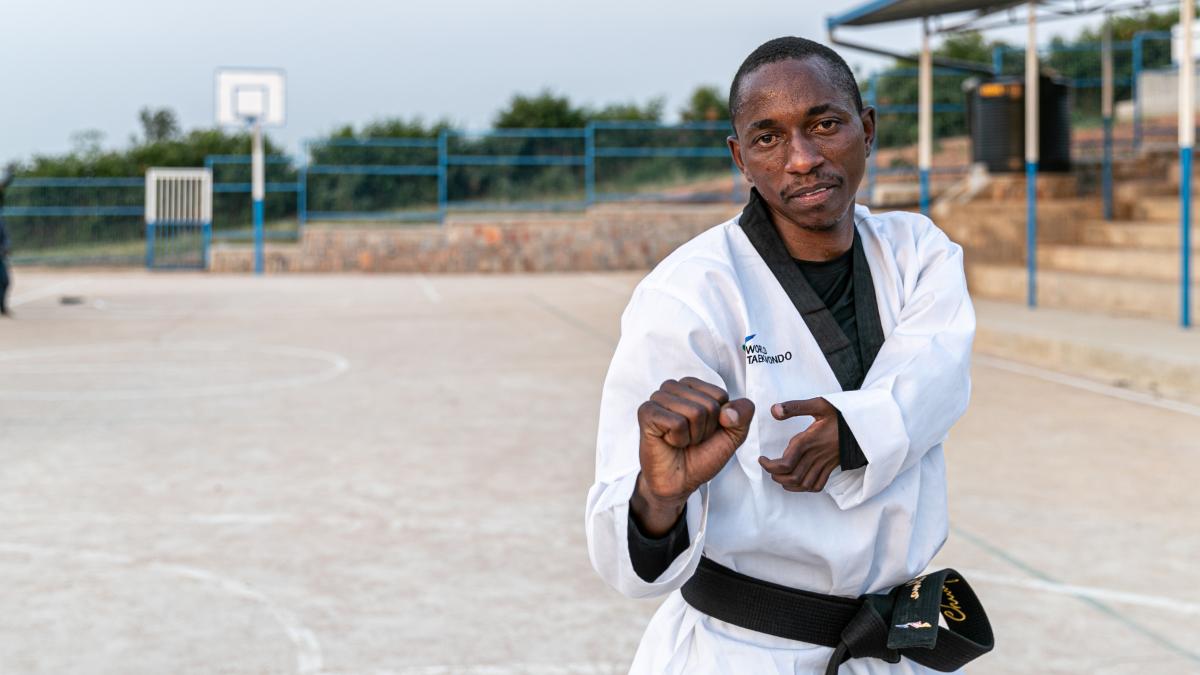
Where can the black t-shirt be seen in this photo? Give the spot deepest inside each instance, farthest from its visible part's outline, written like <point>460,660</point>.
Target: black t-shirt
<point>833,280</point>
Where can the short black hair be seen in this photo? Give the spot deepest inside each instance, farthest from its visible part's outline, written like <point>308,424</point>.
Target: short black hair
<point>785,48</point>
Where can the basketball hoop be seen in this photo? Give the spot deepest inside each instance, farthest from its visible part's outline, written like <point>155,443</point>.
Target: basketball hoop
<point>254,98</point>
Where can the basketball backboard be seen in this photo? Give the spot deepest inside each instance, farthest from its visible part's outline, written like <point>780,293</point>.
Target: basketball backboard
<point>247,95</point>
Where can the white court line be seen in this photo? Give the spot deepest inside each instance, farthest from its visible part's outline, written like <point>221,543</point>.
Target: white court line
<point>308,650</point>
<point>336,365</point>
<point>1103,594</point>
<point>406,523</point>
<point>428,289</point>
<point>1088,385</point>
<point>44,291</point>
<point>609,285</point>
<point>582,668</point>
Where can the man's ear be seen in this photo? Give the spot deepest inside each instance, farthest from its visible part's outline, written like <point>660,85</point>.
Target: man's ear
<point>867,115</point>
<point>735,149</point>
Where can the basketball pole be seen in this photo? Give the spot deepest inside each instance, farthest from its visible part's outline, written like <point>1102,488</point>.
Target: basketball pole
<point>257,191</point>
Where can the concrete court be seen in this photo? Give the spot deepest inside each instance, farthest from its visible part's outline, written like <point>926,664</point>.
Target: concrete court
<point>386,474</point>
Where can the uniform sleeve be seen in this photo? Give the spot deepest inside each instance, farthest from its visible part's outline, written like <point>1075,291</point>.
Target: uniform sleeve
<point>661,339</point>
<point>920,382</point>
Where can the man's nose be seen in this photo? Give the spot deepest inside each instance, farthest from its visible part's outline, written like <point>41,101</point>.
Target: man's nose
<point>803,155</point>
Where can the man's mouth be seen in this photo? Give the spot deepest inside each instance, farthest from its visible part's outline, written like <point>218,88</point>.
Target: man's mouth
<point>811,191</point>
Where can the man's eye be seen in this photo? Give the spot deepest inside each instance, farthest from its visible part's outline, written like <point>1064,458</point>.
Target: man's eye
<point>828,125</point>
<point>766,139</point>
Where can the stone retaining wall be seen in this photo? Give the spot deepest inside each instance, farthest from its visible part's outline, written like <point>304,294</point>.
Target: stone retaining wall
<point>604,238</point>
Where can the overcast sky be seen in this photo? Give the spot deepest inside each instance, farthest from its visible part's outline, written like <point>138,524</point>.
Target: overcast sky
<point>71,65</point>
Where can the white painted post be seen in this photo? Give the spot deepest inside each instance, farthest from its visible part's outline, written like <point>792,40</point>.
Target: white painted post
<point>257,192</point>
<point>1106,113</point>
<point>1031,153</point>
<point>925,115</point>
<point>1187,139</point>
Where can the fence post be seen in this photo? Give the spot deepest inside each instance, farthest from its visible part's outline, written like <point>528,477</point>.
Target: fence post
<point>589,168</point>
<point>302,185</point>
<point>443,178</point>
<point>1137,100</point>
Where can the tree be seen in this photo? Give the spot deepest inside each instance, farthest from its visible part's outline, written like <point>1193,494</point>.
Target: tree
<point>628,112</point>
<point>706,104</point>
<point>900,128</point>
<point>543,110</point>
<point>1078,59</point>
<point>158,125</point>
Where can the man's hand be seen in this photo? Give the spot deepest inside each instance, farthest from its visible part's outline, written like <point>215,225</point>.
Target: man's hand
<point>812,454</point>
<point>689,430</point>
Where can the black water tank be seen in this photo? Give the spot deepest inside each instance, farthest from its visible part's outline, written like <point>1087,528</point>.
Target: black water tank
<point>996,117</point>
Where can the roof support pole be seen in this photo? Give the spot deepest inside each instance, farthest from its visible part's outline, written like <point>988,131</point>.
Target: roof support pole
<point>925,115</point>
<point>1187,139</point>
<point>1106,112</point>
<point>1031,153</point>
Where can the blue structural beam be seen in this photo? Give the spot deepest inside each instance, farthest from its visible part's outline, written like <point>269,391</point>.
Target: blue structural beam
<point>372,170</point>
<point>48,182</point>
<point>589,152</point>
<point>663,152</point>
<point>1031,170</point>
<point>1185,231</point>
<point>376,215</point>
<point>73,211</point>
<point>517,160</point>
<point>911,108</point>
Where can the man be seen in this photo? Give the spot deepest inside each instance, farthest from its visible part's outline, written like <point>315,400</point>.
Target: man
<point>853,332</point>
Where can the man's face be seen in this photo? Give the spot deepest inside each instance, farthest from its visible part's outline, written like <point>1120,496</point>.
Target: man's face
<point>801,142</point>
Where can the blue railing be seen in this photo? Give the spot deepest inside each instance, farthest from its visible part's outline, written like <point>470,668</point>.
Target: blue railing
<point>454,161</point>
<point>872,98</point>
<point>427,170</point>
<point>104,211</point>
<point>224,230</point>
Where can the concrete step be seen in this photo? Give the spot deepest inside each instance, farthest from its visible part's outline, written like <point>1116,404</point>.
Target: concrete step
<point>1161,208</point>
<point>1152,357</point>
<point>1152,264</point>
<point>1082,292</point>
<point>1136,234</point>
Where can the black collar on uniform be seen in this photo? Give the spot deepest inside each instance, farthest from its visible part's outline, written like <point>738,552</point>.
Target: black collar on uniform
<point>849,367</point>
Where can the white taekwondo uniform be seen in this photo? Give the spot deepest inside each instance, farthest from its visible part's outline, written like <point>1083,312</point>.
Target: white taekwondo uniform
<point>870,529</point>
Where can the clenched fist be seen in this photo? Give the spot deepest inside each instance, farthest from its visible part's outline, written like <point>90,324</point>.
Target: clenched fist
<point>689,430</point>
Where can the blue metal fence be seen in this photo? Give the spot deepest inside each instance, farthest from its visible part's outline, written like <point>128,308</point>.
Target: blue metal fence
<point>872,98</point>
<point>425,179</point>
<point>225,224</point>
<point>95,217</point>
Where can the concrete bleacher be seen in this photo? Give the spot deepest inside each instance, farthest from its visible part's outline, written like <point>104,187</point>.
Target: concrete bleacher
<point>1108,292</point>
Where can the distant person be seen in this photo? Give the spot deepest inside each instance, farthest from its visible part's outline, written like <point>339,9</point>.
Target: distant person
<point>770,445</point>
<point>4,183</point>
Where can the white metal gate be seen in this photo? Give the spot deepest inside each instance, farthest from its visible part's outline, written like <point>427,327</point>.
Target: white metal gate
<point>178,218</point>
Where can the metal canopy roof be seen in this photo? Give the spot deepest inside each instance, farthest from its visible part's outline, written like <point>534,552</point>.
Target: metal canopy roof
<point>976,11</point>
<point>884,11</point>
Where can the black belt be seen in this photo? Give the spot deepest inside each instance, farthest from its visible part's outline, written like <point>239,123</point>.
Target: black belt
<point>902,622</point>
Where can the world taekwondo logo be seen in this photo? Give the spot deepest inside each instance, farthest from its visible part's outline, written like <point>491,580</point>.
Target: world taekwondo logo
<point>760,354</point>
